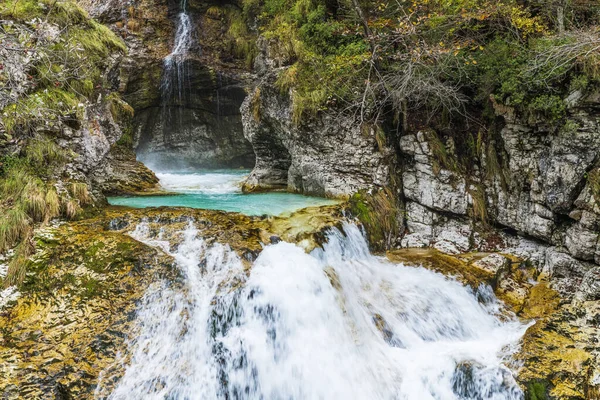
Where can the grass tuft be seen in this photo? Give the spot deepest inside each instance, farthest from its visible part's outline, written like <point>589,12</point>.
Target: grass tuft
<point>379,215</point>
<point>70,208</point>
<point>52,204</point>
<point>79,191</point>
<point>13,227</point>
<point>18,264</point>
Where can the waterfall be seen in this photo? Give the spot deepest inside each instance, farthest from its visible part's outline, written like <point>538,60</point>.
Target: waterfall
<point>338,323</point>
<point>175,83</point>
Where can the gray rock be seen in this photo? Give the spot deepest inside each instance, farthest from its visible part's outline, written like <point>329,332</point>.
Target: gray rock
<point>200,129</point>
<point>329,155</point>
<point>492,263</point>
<point>589,290</point>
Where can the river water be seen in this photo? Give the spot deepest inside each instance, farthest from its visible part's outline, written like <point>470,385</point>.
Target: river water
<point>219,190</point>
<point>338,323</point>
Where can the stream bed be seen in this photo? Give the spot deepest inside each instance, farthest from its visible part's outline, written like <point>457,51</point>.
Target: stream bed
<point>335,323</point>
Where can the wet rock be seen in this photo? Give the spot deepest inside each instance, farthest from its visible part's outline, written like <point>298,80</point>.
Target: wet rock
<point>493,263</point>
<point>121,174</point>
<point>274,239</point>
<point>117,224</point>
<point>201,129</point>
<point>465,382</point>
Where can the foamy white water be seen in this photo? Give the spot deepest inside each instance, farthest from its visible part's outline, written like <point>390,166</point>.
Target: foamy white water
<point>335,324</point>
<point>208,183</point>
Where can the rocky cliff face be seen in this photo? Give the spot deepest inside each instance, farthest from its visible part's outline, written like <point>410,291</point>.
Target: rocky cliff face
<point>543,189</point>
<point>531,180</point>
<point>84,129</point>
<point>203,129</point>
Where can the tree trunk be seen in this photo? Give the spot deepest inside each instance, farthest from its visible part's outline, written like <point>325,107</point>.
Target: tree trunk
<point>363,20</point>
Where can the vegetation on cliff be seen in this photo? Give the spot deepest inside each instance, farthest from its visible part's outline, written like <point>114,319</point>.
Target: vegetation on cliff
<point>54,61</point>
<point>438,61</point>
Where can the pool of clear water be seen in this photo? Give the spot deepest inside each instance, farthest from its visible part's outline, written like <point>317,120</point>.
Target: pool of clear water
<point>219,190</point>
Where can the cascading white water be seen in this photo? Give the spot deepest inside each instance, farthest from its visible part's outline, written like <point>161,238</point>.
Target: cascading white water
<point>335,324</point>
<point>175,77</point>
<point>210,182</point>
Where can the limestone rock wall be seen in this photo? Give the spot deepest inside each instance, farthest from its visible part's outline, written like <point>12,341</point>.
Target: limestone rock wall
<point>331,156</point>
<point>203,129</point>
<point>541,191</point>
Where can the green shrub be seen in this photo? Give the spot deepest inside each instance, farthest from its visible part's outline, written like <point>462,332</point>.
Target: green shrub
<point>549,106</point>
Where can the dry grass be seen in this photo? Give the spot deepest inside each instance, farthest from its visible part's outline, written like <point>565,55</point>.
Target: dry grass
<point>70,208</point>
<point>18,265</point>
<point>441,158</point>
<point>52,204</point>
<point>479,209</point>
<point>13,227</point>
<point>80,192</point>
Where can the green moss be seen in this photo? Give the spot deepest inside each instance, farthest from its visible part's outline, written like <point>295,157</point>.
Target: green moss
<point>240,41</point>
<point>22,9</point>
<point>537,391</point>
<point>91,287</point>
<point>122,114</point>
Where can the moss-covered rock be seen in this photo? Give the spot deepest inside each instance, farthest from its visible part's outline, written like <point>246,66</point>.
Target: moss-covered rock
<point>378,211</point>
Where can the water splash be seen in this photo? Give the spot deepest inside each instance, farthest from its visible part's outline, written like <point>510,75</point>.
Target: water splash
<point>337,323</point>
<point>210,182</point>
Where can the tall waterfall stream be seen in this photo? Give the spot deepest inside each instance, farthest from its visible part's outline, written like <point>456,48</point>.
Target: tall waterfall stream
<point>175,76</point>
<point>338,323</point>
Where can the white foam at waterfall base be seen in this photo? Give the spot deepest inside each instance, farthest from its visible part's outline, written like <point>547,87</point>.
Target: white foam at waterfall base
<point>217,182</point>
<point>335,324</point>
